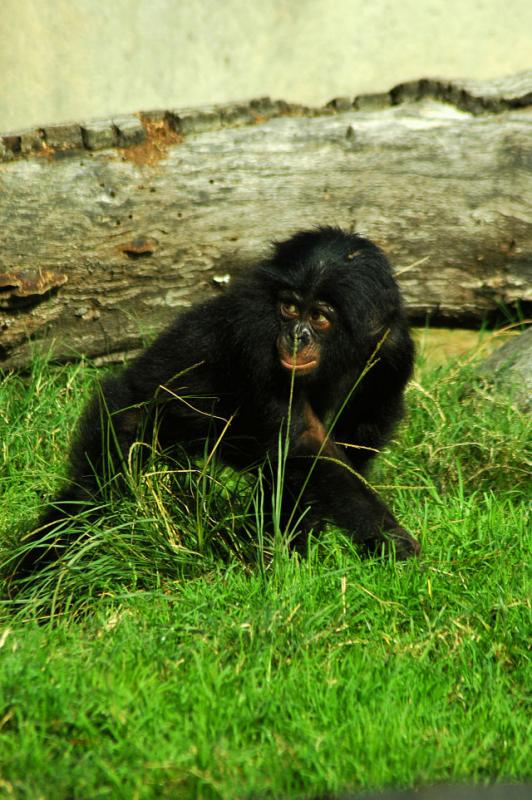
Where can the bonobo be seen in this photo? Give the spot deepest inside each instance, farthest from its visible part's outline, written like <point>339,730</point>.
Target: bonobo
<point>312,344</point>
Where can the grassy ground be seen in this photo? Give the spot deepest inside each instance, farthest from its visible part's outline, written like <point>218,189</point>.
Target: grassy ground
<point>166,663</point>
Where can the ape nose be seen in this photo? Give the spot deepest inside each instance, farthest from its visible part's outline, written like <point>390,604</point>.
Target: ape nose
<point>302,337</point>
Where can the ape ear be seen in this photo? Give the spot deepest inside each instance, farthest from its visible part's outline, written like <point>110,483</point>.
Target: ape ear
<point>376,325</point>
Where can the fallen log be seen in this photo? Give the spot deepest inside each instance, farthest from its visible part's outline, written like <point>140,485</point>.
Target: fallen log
<point>108,227</point>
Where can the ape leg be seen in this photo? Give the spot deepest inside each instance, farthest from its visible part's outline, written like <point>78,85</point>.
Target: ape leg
<point>98,461</point>
<point>320,477</point>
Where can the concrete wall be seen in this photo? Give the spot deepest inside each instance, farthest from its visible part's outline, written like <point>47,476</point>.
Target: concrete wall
<point>64,60</point>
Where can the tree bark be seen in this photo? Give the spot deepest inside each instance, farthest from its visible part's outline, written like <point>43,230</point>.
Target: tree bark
<point>108,228</point>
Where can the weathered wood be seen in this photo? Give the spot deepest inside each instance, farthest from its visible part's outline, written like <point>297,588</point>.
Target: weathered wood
<point>106,233</point>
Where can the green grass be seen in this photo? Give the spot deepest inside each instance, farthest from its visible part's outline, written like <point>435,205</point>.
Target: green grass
<point>165,661</point>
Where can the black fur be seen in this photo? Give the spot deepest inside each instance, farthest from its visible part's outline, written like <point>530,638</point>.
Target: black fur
<point>223,358</point>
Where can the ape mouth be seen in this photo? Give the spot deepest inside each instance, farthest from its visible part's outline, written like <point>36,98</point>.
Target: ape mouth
<point>299,367</point>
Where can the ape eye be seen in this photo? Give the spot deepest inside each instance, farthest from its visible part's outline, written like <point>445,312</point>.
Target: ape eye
<point>289,310</point>
<point>319,320</point>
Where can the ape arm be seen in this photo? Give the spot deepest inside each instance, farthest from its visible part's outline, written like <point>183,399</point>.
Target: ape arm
<point>326,486</point>
<point>368,419</point>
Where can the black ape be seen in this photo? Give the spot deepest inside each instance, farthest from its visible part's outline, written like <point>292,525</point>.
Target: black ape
<point>306,323</point>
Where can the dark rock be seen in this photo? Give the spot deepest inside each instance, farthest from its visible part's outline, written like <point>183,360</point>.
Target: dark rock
<point>510,368</point>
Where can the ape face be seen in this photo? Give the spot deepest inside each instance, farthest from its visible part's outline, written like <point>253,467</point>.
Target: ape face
<point>304,325</point>
<point>332,299</point>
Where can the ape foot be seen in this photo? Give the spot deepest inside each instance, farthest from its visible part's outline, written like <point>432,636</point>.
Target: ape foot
<point>402,542</point>
<point>394,540</point>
